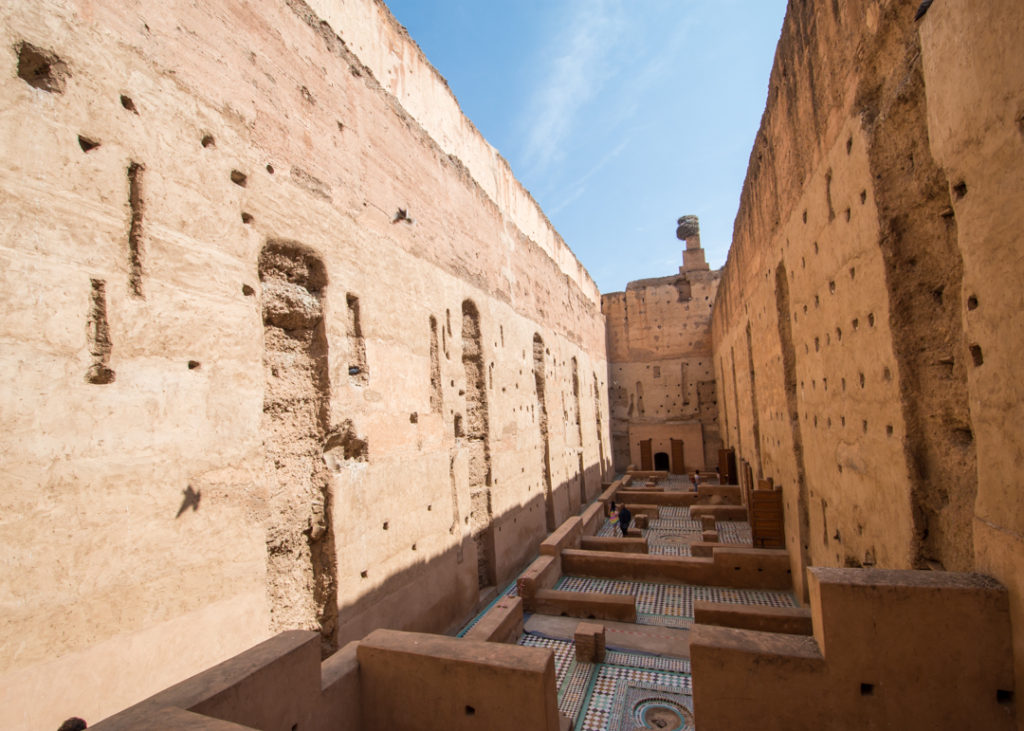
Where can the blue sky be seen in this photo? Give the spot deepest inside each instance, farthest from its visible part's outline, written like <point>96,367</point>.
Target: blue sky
<point>619,116</point>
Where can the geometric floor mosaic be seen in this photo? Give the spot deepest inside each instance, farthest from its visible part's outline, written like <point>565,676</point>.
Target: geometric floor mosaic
<point>626,691</point>
<point>671,605</point>
<point>673,531</point>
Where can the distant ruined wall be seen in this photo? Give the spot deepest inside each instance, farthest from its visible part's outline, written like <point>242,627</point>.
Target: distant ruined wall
<point>270,346</point>
<point>661,374</point>
<point>868,321</point>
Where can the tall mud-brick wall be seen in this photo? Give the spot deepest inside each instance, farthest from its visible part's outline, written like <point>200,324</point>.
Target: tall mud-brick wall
<point>661,370</point>
<point>870,278</point>
<point>284,375</point>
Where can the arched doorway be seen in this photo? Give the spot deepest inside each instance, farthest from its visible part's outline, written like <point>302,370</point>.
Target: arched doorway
<point>661,461</point>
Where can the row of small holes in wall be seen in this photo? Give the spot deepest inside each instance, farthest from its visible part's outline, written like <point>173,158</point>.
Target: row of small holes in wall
<point>854,324</point>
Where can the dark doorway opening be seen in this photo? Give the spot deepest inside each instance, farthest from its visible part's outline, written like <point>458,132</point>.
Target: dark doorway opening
<point>661,461</point>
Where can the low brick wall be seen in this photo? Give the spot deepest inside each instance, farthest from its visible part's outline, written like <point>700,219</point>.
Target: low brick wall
<point>785,620</point>
<point>503,622</point>
<point>586,605</point>
<point>916,650</point>
<point>750,568</point>
<point>620,545</point>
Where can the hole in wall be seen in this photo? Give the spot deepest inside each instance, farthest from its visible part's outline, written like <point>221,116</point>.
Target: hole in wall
<point>976,355</point>
<point>960,190</point>
<point>849,145</point>
<point>270,168</point>
<point>363,574</point>
<point>208,141</point>
<point>470,710</point>
<point>87,144</point>
<point>247,290</point>
<point>1004,696</point>
<point>888,430</point>
<point>867,689</point>
<point>41,69</point>
<point>194,364</point>
<point>871,319</point>
<point>972,302</point>
<point>246,217</point>
<point>863,197</point>
<point>239,178</point>
<point>127,103</point>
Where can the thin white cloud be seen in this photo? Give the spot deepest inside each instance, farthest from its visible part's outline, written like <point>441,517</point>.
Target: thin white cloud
<point>579,187</point>
<point>577,74</point>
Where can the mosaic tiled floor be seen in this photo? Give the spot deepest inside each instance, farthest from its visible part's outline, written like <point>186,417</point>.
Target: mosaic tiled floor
<point>671,605</point>
<point>673,531</point>
<point>629,698</point>
<point>627,691</point>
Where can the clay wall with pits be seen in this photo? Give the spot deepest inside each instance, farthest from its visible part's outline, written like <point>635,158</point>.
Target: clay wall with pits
<point>271,348</point>
<point>660,364</point>
<point>854,322</point>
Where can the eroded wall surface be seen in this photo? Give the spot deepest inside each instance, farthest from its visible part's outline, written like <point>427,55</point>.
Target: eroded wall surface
<point>270,345</point>
<point>661,374</point>
<point>868,317</point>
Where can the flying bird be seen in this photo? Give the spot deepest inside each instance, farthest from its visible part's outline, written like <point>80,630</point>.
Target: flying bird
<point>402,215</point>
<point>191,500</point>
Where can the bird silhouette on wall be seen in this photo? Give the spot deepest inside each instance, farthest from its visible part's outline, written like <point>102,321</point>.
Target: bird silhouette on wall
<point>191,500</point>
<point>402,215</point>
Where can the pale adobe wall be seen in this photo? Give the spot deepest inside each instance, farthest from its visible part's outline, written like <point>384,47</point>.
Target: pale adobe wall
<point>109,594</point>
<point>380,42</point>
<point>840,233</point>
<point>975,107</point>
<point>660,363</point>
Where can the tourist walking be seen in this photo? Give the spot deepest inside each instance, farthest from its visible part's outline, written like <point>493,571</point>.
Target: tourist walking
<point>625,517</point>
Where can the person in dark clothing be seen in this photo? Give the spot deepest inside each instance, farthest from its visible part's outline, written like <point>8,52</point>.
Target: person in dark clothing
<point>624,519</point>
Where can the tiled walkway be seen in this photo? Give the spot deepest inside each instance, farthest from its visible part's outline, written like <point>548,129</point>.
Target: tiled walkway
<point>671,605</point>
<point>625,691</point>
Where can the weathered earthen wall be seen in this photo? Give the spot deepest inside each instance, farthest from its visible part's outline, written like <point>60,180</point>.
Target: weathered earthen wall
<point>661,368</point>
<point>881,211</point>
<point>243,394</point>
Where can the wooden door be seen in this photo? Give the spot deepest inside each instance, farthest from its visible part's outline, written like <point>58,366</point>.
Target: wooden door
<point>645,455</point>
<point>678,463</point>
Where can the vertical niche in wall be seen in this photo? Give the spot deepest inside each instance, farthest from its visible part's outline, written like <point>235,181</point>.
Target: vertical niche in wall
<point>580,475</point>
<point>782,304</point>
<point>436,394</point>
<point>301,559</point>
<point>476,433</point>
<point>600,427</point>
<point>357,369</point>
<point>540,383</point>
<point>753,401</point>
